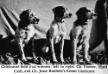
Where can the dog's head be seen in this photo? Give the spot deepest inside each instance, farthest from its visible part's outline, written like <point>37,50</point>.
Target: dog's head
<point>85,13</point>
<point>29,17</point>
<point>61,12</point>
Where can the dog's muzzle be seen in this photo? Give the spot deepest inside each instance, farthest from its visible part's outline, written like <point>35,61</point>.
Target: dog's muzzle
<point>94,14</point>
<point>68,15</point>
<point>35,20</point>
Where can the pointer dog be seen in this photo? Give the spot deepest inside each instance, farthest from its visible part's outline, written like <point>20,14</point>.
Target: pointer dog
<point>26,31</point>
<point>80,33</point>
<point>57,31</point>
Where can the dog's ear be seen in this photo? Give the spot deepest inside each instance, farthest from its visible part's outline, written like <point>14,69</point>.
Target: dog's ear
<point>59,9</point>
<point>82,11</point>
<point>25,14</point>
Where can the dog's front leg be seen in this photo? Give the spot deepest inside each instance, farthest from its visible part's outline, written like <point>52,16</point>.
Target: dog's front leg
<point>52,49</point>
<point>74,46</point>
<point>61,49</point>
<point>21,45</point>
<point>33,49</point>
<point>86,50</point>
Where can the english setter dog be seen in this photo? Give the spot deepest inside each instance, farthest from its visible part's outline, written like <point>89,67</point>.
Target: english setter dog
<point>26,31</point>
<point>80,33</point>
<point>57,31</point>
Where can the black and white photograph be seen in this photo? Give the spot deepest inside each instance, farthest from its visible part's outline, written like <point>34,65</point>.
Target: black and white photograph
<point>45,33</point>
